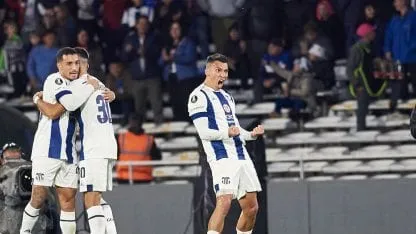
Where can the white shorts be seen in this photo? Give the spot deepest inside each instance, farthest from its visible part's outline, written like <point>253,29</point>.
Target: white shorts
<point>236,177</point>
<point>96,175</point>
<point>54,172</point>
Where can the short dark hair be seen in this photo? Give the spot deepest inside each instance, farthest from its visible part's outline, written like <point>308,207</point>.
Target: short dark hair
<point>48,32</point>
<point>64,51</point>
<point>83,53</point>
<point>217,57</point>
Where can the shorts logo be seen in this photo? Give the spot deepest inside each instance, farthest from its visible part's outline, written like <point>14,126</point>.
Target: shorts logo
<point>39,176</point>
<point>225,180</point>
<point>227,108</point>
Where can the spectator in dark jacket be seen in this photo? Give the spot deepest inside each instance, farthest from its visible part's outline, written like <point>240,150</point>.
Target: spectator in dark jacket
<point>66,30</point>
<point>141,51</point>
<point>119,80</point>
<point>95,60</point>
<point>400,46</point>
<point>331,26</point>
<point>359,70</point>
<point>179,70</point>
<point>269,79</point>
<point>370,16</point>
<point>236,51</point>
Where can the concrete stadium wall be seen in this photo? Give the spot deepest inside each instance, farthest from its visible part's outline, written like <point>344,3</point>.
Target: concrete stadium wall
<point>148,209</point>
<point>342,207</point>
<point>328,207</point>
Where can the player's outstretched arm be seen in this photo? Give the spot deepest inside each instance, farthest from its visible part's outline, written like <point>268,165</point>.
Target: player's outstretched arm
<point>52,111</point>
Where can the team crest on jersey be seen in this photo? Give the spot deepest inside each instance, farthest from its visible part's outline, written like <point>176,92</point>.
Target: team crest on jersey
<point>227,108</point>
<point>194,99</point>
<point>59,81</point>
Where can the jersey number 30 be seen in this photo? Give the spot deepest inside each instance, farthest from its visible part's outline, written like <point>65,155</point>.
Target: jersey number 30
<point>103,110</point>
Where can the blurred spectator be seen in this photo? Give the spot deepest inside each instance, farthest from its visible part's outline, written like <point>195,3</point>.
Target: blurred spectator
<point>298,90</point>
<point>313,36</point>
<point>112,32</point>
<point>30,20</point>
<point>46,5</point>
<point>96,55</point>
<point>137,9</point>
<point>400,46</point>
<point>363,85</point>
<point>236,51</point>
<point>321,67</point>
<point>136,145</point>
<point>166,12</point>
<point>269,79</point>
<point>261,21</point>
<point>198,30</point>
<point>41,61</point>
<point>179,70</point>
<point>223,15</point>
<point>13,59</point>
<point>48,21</point>
<point>66,30</point>
<point>87,16</point>
<point>141,51</point>
<point>370,16</point>
<point>296,14</point>
<point>331,26</point>
<point>34,40</point>
<point>349,11</point>
<point>119,80</point>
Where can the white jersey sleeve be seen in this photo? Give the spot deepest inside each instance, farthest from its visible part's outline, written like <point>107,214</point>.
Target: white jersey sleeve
<point>53,87</point>
<point>75,94</point>
<point>197,108</point>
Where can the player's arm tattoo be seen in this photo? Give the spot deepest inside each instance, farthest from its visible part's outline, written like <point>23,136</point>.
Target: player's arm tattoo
<point>52,111</point>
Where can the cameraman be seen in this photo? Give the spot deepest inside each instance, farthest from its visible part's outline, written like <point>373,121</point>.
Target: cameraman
<point>15,188</point>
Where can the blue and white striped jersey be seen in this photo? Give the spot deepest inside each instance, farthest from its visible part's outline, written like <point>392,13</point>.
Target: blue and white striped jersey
<point>55,138</point>
<point>213,112</point>
<point>93,115</point>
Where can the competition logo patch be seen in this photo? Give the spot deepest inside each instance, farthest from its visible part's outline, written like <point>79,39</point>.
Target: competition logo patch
<point>226,108</point>
<point>194,99</point>
<point>59,81</point>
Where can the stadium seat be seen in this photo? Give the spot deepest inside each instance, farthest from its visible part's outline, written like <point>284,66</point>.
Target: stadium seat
<point>280,167</point>
<point>320,178</point>
<point>309,167</point>
<point>386,176</point>
<point>353,177</point>
<point>278,124</point>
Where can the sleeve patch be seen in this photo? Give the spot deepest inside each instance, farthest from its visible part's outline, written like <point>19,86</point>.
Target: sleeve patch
<point>59,81</point>
<point>194,98</point>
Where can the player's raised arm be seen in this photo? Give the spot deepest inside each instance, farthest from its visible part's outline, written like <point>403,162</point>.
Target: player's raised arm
<point>197,108</point>
<point>77,93</point>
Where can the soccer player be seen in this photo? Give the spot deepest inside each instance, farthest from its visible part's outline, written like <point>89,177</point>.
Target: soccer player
<point>53,151</point>
<point>98,145</point>
<point>213,113</point>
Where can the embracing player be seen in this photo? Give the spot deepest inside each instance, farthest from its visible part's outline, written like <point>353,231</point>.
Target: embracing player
<point>98,145</point>
<point>213,113</point>
<point>53,152</point>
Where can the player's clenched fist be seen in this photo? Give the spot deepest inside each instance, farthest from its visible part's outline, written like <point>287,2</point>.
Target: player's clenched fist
<point>233,131</point>
<point>257,131</point>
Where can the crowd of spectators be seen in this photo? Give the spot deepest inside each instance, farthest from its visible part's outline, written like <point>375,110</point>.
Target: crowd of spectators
<point>143,48</point>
